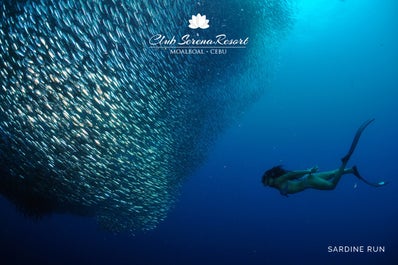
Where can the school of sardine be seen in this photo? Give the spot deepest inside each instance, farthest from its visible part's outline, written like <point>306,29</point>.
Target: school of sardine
<point>94,122</point>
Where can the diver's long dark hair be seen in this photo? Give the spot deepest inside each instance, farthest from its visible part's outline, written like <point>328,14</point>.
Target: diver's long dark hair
<point>273,173</point>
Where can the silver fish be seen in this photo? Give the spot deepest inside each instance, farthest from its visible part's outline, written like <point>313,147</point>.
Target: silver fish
<point>93,122</point>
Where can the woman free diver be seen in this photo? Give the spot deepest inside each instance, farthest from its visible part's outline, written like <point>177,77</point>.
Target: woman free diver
<point>289,182</point>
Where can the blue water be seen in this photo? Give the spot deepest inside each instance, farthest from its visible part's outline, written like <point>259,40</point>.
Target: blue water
<point>336,68</point>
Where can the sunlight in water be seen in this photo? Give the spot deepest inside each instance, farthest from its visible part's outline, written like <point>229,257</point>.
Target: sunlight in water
<point>319,13</point>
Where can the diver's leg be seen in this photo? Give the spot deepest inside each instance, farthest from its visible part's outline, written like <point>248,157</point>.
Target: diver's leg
<point>327,175</point>
<point>330,181</point>
<point>321,184</point>
<point>324,181</point>
<point>345,159</point>
<point>327,180</point>
<point>336,178</point>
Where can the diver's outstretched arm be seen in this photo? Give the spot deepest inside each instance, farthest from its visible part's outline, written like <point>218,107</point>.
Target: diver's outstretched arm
<point>378,184</point>
<point>345,159</point>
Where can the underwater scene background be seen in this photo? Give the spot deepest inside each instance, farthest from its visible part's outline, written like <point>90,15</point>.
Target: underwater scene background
<point>115,153</point>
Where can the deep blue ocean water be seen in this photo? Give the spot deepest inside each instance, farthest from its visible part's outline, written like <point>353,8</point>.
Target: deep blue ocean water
<point>337,68</point>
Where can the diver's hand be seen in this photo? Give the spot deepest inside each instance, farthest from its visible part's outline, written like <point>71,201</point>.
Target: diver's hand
<point>313,170</point>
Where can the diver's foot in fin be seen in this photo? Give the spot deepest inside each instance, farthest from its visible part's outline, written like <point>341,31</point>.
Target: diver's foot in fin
<point>354,143</point>
<point>378,184</point>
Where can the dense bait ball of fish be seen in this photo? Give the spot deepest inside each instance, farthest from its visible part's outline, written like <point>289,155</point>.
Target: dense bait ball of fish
<point>93,122</point>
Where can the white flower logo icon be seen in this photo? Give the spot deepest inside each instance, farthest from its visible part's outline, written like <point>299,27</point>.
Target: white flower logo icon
<point>198,21</point>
